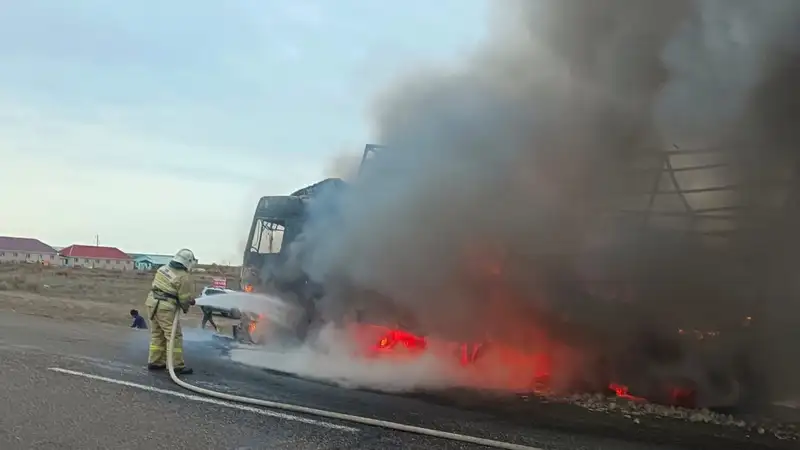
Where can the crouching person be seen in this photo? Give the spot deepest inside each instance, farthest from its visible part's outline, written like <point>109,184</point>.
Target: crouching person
<point>138,320</point>
<point>172,289</point>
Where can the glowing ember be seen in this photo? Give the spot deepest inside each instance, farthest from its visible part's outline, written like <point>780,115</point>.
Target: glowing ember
<point>393,338</point>
<point>622,391</point>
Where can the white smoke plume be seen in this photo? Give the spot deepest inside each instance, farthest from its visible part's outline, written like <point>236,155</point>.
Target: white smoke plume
<point>489,216</point>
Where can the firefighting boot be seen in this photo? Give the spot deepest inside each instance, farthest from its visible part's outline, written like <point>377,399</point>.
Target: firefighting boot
<point>155,367</point>
<point>183,370</point>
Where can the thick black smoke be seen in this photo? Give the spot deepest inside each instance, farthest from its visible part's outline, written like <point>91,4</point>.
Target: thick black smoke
<point>515,194</point>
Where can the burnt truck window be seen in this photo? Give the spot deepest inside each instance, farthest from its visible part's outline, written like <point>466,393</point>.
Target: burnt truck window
<point>213,292</point>
<point>268,237</point>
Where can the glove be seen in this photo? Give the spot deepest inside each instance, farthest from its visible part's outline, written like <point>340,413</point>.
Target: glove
<point>185,309</point>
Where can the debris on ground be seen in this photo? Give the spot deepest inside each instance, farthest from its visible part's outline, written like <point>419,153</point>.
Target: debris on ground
<point>638,411</point>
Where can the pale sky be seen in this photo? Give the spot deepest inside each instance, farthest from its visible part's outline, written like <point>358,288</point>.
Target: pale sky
<point>158,124</point>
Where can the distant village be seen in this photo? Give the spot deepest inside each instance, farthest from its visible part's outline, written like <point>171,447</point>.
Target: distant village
<point>31,250</point>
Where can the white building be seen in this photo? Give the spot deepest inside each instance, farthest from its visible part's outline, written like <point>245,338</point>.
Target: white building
<point>22,250</point>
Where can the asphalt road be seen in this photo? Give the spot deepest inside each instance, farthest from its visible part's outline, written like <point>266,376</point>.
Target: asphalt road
<point>82,386</point>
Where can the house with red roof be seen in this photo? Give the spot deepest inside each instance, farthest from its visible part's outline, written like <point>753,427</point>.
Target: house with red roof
<point>20,250</point>
<point>95,257</point>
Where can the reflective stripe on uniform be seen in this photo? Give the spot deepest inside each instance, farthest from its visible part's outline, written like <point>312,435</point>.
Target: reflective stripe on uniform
<point>157,348</point>
<point>167,281</point>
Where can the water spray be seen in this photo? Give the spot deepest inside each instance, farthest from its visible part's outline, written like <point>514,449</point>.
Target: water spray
<point>327,414</point>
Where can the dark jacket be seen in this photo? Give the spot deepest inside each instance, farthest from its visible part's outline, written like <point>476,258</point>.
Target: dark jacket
<point>139,322</point>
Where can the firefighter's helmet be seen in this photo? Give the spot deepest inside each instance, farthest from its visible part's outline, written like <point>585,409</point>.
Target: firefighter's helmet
<point>186,258</point>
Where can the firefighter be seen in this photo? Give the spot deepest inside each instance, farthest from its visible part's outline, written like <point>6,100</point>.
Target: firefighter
<point>172,288</point>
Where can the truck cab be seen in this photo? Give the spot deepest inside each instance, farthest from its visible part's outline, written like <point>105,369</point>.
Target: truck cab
<point>277,223</point>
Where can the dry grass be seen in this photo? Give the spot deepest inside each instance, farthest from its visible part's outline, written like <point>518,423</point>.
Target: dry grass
<point>79,294</point>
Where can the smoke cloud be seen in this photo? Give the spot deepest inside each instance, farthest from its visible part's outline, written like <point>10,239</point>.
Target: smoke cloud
<point>512,204</point>
<point>344,165</point>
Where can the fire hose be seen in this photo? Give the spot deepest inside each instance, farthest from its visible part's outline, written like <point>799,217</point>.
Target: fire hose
<point>323,413</point>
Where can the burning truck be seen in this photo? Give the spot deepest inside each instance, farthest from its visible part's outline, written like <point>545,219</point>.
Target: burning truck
<point>681,353</point>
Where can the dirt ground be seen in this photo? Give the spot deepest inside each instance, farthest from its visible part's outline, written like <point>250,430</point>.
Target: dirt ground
<point>80,294</point>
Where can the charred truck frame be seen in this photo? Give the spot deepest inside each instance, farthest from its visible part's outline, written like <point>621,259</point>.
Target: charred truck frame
<point>671,201</point>
<point>277,222</point>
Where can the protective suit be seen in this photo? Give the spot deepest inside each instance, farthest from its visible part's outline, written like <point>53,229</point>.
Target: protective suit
<point>172,288</point>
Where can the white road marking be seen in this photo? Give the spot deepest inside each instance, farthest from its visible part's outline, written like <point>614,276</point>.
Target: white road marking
<point>212,401</point>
